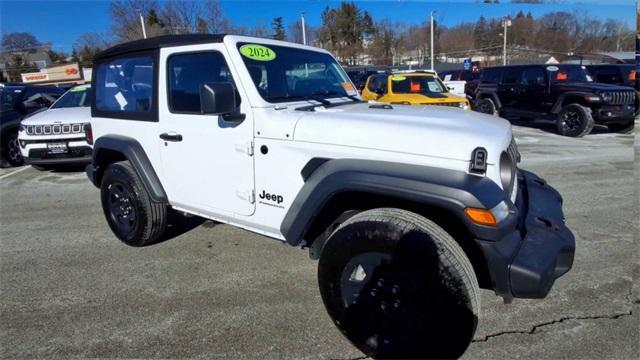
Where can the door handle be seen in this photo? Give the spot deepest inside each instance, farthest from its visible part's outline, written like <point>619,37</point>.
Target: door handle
<point>171,137</point>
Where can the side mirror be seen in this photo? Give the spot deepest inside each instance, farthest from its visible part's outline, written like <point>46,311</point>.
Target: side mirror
<point>379,91</point>
<point>218,98</point>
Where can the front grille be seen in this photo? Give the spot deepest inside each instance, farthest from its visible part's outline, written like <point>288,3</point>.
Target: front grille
<point>451,104</point>
<point>56,129</point>
<point>622,97</point>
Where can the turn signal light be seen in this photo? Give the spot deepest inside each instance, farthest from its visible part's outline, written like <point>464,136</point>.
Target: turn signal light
<point>632,75</point>
<point>88,132</point>
<point>481,216</point>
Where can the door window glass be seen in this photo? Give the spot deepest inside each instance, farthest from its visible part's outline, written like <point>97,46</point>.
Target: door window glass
<point>533,76</point>
<point>187,73</point>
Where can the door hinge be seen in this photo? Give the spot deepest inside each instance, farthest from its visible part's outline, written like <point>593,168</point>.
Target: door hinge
<point>246,194</point>
<point>245,147</point>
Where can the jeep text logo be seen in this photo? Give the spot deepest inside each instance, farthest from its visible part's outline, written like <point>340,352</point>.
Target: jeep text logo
<point>271,197</point>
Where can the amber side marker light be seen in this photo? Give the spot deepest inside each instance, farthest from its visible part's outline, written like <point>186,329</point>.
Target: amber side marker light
<point>481,216</point>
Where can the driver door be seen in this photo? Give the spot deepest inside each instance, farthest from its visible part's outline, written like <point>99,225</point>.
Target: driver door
<point>207,160</point>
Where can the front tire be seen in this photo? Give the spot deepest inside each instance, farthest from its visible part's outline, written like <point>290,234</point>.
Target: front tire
<point>399,286</point>
<point>486,106</point>
<point>574,120</point>
<point>131,214</point>
<point>11,149</point>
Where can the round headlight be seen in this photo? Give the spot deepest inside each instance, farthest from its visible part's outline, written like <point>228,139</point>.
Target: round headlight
<point>506,171</point>
<point>606,97</point>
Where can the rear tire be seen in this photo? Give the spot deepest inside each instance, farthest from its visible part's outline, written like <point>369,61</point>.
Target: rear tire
<point>131,214</point>
<point>486,106</point>
<point>574,120</point>
<point>399,286</point>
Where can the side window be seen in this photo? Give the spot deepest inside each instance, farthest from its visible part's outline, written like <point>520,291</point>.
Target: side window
<point>187,72</point>
<point>533,76</point>
<point>512,76</point>
<point>490,76</point>
<point>125,86</point>
<point>378,82</point>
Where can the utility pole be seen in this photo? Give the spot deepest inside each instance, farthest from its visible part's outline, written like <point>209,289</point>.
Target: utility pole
<point>304,33</point>
<point>431,15</point>
<point>144,31</point>
<point>506,23</point>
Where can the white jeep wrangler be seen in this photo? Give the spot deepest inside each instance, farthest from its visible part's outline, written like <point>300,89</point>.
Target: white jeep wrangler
<point>409,209</point>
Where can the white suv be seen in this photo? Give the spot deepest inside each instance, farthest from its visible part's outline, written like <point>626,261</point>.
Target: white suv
<point>60,134</point>
<point>409,209</point>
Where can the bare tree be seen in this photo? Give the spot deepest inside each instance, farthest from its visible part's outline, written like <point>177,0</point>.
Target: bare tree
<point>125,18</point>
<point>19,41</point>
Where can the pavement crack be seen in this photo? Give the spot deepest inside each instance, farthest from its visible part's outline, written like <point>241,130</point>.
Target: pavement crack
<point>535,328</point>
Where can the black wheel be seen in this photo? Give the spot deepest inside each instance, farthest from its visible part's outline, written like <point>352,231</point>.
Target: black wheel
<point>486,106</point>
<point>574,120</point>
<point>132,216</point>
<point>399,286</point>
<point>621,128</point>
<point>11,149</point>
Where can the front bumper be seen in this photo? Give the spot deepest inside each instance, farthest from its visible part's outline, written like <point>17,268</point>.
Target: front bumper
<point>526,262</point>
<point>614,114</point>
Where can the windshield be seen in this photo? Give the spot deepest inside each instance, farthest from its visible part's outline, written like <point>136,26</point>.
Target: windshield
<point>286,74</point>
<point>416,85</point>
<point>9,98</point>
<point>572,73</point>
<point>76,97</point>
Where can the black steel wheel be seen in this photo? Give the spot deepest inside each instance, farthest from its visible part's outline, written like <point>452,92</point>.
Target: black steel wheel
<point>486,106</point>
<point>574,120</point>
<point>131,214</point>
<point>398,286</point>
<point>11,149</point>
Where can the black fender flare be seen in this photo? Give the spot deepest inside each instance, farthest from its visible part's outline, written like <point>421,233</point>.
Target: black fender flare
<point>132,150</point>
<point>490,94</point>
<point>557,106</point>
<point>449,189</point>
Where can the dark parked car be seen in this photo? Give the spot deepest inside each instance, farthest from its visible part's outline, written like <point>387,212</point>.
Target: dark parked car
<point>359,77</point>
<point>18,102</point>
<point>471,77</point>
<point>564,93</point>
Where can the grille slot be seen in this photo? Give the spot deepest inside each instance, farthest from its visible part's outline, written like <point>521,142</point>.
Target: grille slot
<point>57,129</point>
<point>622,97</point>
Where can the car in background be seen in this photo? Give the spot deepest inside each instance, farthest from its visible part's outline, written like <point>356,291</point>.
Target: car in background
<point>467,78</point>
<point>564,93</point>
<point>359,77</point>
<point>619,74</point>
<point>18,101</point>
<point>411,88</point>
<point>61,134</point>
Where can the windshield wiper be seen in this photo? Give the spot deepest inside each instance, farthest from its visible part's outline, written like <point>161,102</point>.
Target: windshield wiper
<point>331,93</point>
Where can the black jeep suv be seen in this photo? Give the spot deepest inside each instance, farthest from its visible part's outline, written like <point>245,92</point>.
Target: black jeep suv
<point>564,93</point>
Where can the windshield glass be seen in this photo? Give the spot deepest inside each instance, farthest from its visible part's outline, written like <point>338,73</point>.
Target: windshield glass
<point>287,74</point>
<point>9,98</point>
<point>572,73</point>
<point>76,97</point>
<point>416,84</point>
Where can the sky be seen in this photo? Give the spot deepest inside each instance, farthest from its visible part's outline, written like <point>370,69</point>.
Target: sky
<point>62,22</point>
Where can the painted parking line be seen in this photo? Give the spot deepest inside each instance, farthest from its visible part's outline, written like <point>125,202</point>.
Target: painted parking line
<point>14,172</point>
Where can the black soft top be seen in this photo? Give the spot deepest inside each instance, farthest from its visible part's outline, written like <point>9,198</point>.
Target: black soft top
<point>158,42</point>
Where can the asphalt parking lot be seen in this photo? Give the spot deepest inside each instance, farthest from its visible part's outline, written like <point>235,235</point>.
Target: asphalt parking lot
<point>71,289</point>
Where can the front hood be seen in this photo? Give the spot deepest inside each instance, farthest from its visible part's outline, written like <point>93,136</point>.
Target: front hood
<point>591,87</point>
<point>422,130</point>
<point>72,115</point>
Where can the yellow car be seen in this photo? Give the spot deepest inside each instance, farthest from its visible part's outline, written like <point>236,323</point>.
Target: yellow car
<point>411,89</point>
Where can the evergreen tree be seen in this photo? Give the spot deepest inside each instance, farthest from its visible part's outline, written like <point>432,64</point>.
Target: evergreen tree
<point>278,29</point>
